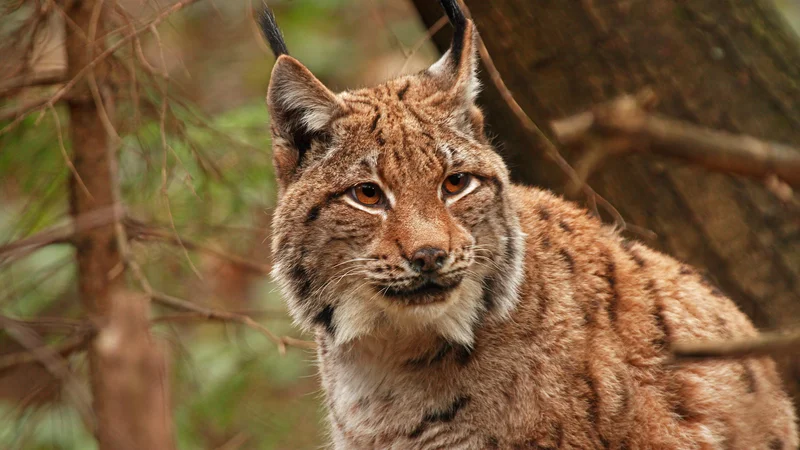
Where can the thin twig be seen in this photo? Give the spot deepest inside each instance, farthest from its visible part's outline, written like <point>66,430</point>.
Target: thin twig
<point>66,157</point>
<point>143,232</point>
<point>213,314</point>
<point>428,36</point>
<point>42,78</point>
<point>54,363</point>
<point>61,233</point>
<point>67,346</point>
<point>92,80</point>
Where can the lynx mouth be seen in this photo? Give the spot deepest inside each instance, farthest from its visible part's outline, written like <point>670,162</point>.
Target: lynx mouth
<point>427,292</point>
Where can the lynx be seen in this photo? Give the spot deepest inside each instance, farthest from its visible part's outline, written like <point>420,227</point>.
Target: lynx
<point>453,309</point>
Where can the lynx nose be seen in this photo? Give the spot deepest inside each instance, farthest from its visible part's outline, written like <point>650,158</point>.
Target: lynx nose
<point>428,259</point>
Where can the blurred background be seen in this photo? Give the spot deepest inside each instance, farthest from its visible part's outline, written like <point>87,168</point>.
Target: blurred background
<point>195,175</point>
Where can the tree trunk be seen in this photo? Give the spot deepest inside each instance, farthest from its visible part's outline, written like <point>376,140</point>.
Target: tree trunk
<point>727,64</point>
<point>128,378</point>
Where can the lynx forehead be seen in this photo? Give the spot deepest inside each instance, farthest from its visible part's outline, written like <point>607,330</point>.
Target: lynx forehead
<point>455,310</point>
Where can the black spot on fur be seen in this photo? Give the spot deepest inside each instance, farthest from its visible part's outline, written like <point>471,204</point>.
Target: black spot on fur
<point>445,416</point>
<point>301,280</point>
<point>492,442</point>
<point>564,226</point>
<point>462,354</point>
<point>402,92</point>
<point>665,336</point>
<point>545,242</point>
<point>312,214</point>
<point>379,138</point>
<point>592,402</point>
<point>488,295</point>
<point>374,123</point>
<point>613,301</point>
<point>776,444</point>
<point>544,214</point>
<point>325,318</point>
<point>568,259</point>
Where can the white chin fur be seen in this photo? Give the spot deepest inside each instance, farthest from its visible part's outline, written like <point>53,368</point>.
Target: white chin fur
<point>364,314</point>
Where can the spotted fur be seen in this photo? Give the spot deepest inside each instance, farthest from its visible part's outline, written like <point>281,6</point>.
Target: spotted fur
<point>553,331</point>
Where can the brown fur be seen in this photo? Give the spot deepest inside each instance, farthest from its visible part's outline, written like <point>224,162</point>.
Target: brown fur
<point>557,333</point>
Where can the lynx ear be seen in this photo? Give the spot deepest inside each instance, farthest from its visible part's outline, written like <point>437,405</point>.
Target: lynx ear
<point>300,106</point>
<point>457,68</point>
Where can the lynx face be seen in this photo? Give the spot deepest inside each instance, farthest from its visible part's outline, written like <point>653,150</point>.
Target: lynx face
<point>393,214</point>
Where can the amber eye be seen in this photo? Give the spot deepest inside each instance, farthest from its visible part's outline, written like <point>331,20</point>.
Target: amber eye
<point>456,183</point>
<point>367,194</point>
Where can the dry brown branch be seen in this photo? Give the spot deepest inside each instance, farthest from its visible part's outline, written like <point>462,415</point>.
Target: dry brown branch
<point>63,348</point>
<point>61,233</point>
<point>767,344</point>
<point>53,324</point>
<point>196,316</point>
<point>225,316</point>
<point>143,232</point>
<point>52,360</point>
<point>19,112</point>
<point>11,86</point>
<point>629,127</point>
<point>134,391</point>
<point>64,154</point>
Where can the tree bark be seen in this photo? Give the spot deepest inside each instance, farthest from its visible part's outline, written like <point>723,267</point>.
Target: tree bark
<point>732,65</point>
<point>128,385</point>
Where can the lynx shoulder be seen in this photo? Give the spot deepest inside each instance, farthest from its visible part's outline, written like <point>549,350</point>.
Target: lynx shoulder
<point>453,309</point>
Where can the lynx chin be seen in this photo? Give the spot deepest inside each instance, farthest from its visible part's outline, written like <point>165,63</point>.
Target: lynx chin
<point>455,310</point>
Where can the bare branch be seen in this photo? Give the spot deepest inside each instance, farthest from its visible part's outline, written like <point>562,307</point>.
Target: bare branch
<point>59,234</point>
<point>52,360</point>
<point>64,348</point>
<point>42,78</point>
<point>225,316</point>
<point>627,123</point>
<point>144,232</point>
<point>767,344</point>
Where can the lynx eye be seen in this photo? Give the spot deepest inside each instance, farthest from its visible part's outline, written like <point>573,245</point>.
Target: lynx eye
<point>456,183</point>
<point>367,194</point>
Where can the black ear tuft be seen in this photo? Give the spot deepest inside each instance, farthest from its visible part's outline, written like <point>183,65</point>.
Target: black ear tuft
<point>459,22</point>
<point>271,31</point>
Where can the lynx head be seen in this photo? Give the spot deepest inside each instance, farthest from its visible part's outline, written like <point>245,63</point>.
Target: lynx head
<point>393,215</point>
